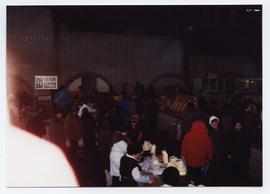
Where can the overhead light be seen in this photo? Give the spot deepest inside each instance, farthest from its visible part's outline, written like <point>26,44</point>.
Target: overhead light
<point>256,10</point>
<point>253,10</point>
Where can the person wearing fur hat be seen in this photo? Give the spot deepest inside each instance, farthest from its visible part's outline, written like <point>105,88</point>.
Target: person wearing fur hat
<point>217,164</point>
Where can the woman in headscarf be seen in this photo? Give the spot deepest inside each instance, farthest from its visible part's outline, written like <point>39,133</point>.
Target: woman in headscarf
<point>217,170</point>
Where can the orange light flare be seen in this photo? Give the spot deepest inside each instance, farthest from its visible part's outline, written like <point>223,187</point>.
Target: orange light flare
<point>30,161</point>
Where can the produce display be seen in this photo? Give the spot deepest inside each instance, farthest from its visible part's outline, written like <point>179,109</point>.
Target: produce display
<point>179,164</point>
<point>180,102</point>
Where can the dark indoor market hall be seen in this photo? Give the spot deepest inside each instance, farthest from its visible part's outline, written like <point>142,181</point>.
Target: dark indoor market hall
<point>134,95</point>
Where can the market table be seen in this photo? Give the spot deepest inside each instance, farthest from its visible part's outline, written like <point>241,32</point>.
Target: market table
<point>151,166</point>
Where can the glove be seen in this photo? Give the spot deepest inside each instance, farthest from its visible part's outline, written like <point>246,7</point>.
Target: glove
<point>68,145</point>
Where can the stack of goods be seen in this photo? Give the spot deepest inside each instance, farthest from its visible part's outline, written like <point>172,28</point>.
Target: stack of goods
<point>179,164</point>
<point>181,101</point>
<point>149,148</point>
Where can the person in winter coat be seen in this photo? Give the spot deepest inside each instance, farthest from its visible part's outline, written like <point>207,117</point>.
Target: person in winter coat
<point>134,129</point>
<point>197,149</point>
<point>153,111</point>
<point>104,143</point>
<point>73,132</point>
<point>250,117</point>
<point>124,109</point>
<point>250,121</point>
<point>89,137</point>
<point>130,171</point>
<point>239,150</point>
<point>61,99</point>
<point>118,150</point>
<point>217,168</point>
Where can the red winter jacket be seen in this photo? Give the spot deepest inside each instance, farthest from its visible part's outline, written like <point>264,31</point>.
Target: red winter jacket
<point>197,146</point>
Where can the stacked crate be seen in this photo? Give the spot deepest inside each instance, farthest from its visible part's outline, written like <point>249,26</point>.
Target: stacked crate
<point>180,102</point>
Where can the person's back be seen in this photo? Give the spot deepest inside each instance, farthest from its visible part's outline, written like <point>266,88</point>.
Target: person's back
<point>126,166</point>
<point>170,177</point>
<point>118,149</point>
<point>197,146</point>
<point>130,171</point>
<point>104,144</point>
<point>61,99</point>
<point>88,127</point>
<point>239,150</point>
<point>124,110</point>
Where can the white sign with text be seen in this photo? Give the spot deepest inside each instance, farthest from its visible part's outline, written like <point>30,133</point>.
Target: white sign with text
<point>46,82</point>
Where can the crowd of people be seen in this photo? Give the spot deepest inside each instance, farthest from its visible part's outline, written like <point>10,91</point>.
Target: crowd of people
<point>106,132</point>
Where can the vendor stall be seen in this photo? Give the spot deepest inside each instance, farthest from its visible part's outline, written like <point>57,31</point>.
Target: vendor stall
<point>154,164</point>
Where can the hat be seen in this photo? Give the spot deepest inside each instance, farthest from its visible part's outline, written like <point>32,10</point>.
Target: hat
<point>213,118</point>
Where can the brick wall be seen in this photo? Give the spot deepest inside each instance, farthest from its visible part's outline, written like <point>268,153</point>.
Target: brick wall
<point>119,58</point>
<point>30,42</point>
<point>39,45</point>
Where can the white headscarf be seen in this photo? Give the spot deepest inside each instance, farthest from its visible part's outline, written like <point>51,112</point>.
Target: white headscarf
<point>213,118</point>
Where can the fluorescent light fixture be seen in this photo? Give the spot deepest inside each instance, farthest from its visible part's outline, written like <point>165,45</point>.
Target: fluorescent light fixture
<point>257,10</point>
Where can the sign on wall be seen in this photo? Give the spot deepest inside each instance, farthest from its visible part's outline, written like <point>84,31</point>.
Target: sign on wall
<point>44,82</point>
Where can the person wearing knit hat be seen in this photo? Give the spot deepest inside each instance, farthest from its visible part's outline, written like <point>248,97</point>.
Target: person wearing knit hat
<point>217,165</point>
<point>213,122</point>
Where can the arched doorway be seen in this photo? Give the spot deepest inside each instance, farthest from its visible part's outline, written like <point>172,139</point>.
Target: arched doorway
<point>169,84</point>
<point>89,81</point>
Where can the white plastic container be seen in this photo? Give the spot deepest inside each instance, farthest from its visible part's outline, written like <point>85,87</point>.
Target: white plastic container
<point>153,149</point>
<point>165,156</point>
